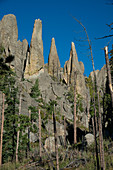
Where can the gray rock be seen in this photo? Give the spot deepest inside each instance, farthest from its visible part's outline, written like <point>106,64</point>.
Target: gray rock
<point>36,60</point>
<point>8,32</point>
<point>17,49</point>
<point>53,60</point>
<point>59,127</point>
<point>89,139</point>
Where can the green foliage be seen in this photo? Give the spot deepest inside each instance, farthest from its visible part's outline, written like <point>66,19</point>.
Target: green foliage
<point>50,106</point>
<point>9,87</point>
<point>70,98</point>
<point>89,84</point>
<point>35,92</point>
<point>11,118</point>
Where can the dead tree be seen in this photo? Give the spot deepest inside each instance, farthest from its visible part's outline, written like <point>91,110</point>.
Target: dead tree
<point>94,89</point>
<point>40,148</point>
<point>2,127</point>
<point>75,129</point>
<point>56,140</point>
<point>29,132</point>
<point>64,131</point>
<point>18,133</point>
<point>101,137</point>
<point>108,73</point>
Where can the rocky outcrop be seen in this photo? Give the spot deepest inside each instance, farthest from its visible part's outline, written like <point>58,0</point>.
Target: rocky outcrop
<point>70,67</point>
<point>53,60</point>
<point>29,63</point>
<point>101,77</point>
<point>35,59</point>
<point>16,51</point>
<point>81,67</point>
<point>8,33</point>
<point>52,90</point>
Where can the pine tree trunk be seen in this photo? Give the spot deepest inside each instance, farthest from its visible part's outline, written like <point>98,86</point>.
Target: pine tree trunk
<point>29,134</point>
<point>108,73</point>
<point>95,133</point>
<point>56,142</point>
<point>75,130</point>
<point>40,148</point>
<point>102,161</point>
<point>64,131</point>
<point>18,133</point>
<point>2,128</point>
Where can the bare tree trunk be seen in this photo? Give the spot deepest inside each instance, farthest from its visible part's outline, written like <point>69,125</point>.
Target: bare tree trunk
<point>102,161</point>
<point>95,133</point>
<point>75,130</point>
<point>56,142</point>
<point>64,131</point>
<point>93,126</point>
<point>40,148</point>
<point>108,73</point>
<point>18,133</point>
<point>29,133</point>
<point>93,88</point>
<point>2,128</point>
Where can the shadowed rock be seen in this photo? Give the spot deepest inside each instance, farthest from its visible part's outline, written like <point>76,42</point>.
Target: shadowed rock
<point>53,60</point>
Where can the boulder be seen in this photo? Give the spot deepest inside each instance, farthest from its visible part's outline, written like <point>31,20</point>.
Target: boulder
<point>89,139</point>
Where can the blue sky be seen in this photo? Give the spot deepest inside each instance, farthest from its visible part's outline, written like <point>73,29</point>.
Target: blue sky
<point>57,22</point>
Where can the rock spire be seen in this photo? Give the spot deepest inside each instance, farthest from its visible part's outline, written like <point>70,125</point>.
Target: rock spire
<point>35,60</point>
<point>53,60</point>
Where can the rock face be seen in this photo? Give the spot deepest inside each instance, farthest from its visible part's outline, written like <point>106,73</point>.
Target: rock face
<point>8,32</point>
<point>101,77</point>
<point>17,50</point>
<point>28,63</point>
<point>35,60</point>
<point>53,60</point>
<point>50,142</point>
<point>70,67</point>
<point>52,90</point>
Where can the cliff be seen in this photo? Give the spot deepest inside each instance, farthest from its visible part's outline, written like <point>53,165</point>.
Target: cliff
<point>28,64</point>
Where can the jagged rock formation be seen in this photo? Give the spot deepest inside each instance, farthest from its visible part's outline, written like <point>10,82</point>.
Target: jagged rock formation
<point>53,60</point>
<point>70,67</point>
<point>35,60</point>
<point>16,50</point>
<point>101,77</point>
<point>28,63</point>
<point>8,32</point>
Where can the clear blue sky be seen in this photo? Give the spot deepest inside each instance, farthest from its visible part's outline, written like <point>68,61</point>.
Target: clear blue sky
<point>57,23</point>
